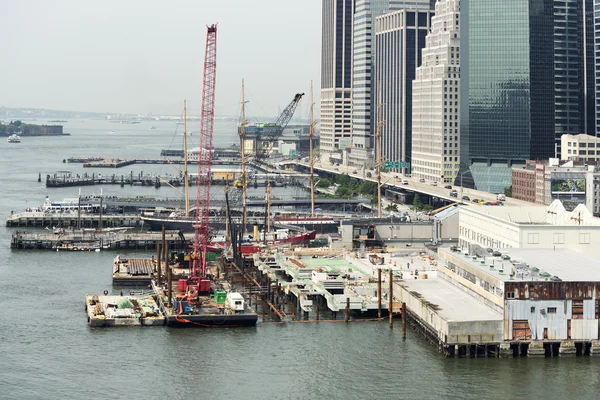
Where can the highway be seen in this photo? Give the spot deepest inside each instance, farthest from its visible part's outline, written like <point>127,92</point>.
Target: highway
<point>389,179</point>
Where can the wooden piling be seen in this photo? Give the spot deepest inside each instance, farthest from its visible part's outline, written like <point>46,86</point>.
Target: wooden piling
<point>403,320</point>
<point>379,293</point>
<point>317,312</point>
<point>170,282</point>
<point>347,316</point>
<point>391,300</point>
<point>158,264</point>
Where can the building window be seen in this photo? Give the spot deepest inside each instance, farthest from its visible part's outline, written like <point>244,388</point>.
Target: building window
<point>584,238</point>
<point>551,310</point>
<point>533,238</point>
<point>559,238</point>
<point>510,295</point>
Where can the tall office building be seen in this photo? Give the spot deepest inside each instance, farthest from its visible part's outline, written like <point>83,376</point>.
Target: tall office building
<point>336,74</point>
<point>435,99</point>
<point>595,24</point>
<point>524,82</point>
<point>363,88</point>
<point>573,68</point>
<point>399,39</point>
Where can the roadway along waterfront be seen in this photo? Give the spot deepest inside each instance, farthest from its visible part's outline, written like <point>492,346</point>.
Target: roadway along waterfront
<point>394,180</point>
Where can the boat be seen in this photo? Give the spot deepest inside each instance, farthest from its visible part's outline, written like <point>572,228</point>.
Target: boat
<point>152,127</point>
<point>14,138</point>
<point>111,132</point>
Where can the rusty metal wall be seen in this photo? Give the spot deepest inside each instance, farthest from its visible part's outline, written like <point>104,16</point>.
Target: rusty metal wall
<point>553,290</point>
<point>584,329</point>
<point>556,323</point>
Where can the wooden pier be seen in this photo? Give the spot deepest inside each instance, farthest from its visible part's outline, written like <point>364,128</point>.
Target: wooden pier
<point>109,240</point>
<point>71,220</point>
<point>69,180</point>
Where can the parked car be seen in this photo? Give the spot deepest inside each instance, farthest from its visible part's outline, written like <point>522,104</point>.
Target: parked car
<point>404,182</point>
<point>433,183</point>
<point>448,187</point>
<point>422,180</point>
<point>355,172</point>
<point>500,203</point>
<point>466,198</point>
<point>488,203</point>
<point>500,197</point>
<point>482,202</point>
<point>475,200</point>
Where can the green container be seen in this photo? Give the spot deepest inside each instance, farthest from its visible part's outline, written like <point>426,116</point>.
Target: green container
<point>210,256</point>
<point>220,296</point>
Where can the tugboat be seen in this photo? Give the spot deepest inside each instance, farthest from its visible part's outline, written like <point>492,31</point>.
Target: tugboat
<point>14,138</point>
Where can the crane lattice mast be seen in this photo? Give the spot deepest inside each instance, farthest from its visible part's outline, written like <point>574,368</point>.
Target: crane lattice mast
<point>205,157</point>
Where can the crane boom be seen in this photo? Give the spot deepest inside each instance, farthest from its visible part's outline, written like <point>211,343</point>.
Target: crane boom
<point>205,158</point>
<point>272,132</point>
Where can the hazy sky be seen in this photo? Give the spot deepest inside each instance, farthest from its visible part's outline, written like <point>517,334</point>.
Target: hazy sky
<point>147,55</point>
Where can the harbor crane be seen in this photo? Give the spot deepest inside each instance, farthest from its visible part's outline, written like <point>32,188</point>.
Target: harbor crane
<point>201,233</point>
<point>272,132</point>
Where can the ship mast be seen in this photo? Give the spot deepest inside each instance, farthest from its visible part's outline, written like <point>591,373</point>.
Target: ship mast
<point>312,161</point>
<point>185,161</point>
<point>380,123</point>
<point>242,152</point>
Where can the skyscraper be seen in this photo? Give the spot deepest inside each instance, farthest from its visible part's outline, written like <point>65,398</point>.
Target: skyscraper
<point>363,88</point>
<point>400,37</point>
<point>524,82</point>
<point>336,74</point>
<point>435,94</point>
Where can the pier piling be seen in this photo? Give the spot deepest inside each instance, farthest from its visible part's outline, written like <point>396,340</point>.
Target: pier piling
<point>403,320</point>
<point>391,297</point>
<point>379,293</point>
<point>347,316</point>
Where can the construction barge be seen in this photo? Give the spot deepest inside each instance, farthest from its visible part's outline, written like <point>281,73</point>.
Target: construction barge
<point>108,311</point>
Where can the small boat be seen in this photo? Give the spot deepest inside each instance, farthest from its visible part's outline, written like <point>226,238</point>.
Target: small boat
<point>111,131</point>
<point>14,138</point>
<point>152,127</point>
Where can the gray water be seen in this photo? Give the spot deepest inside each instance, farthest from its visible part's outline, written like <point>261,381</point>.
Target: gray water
<point>48,351</point>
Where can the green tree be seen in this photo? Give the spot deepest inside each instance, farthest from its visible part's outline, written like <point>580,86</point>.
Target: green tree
<point>392,207</point>
<point>417,204</point>
<point>508,191</point>
<point>427,207</point>
<point>344,192</point>
<point>345,180</point>
<point>324,183</point>
<point>367,187</point>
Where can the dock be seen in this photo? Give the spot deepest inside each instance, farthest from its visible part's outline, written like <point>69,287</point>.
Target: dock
<point>108,311</point>
<point>139,179</point>
<point>94,239</point>
<point>99,162</point>
<point>70,220</point>
<point>133,271</point>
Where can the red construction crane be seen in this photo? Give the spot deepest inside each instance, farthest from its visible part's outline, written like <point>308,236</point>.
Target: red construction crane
<point>199,253</point>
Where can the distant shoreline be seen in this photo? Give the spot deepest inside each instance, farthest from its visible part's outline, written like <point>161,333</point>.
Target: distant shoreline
<point>41,134</point>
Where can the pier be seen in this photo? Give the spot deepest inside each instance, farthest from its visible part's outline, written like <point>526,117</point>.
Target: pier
<point>94,239</point>
<point>139,179</point>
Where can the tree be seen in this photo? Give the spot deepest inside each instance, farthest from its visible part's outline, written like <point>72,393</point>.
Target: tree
<point>417,202</point>
<point>324,183</point>
<point>508,191</point>
<point>392,207</point>
<point>367,187</point>
<point>427,207</point>
<point>344,192</point>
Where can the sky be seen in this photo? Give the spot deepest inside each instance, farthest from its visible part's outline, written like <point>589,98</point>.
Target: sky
<point>146,56</point>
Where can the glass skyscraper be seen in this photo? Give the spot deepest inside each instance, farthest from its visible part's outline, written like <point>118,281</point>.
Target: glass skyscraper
<point>523,84</point>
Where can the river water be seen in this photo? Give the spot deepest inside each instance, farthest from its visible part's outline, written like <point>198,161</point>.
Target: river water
<point>48,351</point>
